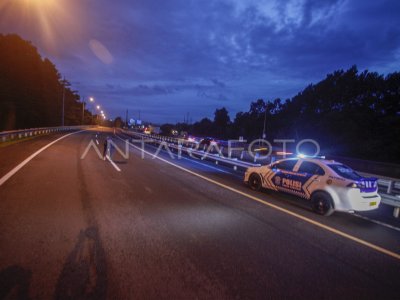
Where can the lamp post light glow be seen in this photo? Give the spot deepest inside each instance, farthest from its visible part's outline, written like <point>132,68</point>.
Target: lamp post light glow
<point>91,99</point>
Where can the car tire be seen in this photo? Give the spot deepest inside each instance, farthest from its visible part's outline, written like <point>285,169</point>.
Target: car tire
<point>322,203</point>
<point>255,182</point>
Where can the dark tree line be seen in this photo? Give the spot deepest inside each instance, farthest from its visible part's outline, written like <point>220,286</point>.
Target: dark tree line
<point>348,113</point>
<point>31,89</point>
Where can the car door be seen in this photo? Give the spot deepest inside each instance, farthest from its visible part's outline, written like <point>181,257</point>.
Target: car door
<point>308,174</point>
<point>282,173</point>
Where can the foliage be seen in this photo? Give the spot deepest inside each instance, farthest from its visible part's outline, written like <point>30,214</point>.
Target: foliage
<point>166,129</point>
<point>118,122</point>
<point>31,89</point>
<point>348,113</point>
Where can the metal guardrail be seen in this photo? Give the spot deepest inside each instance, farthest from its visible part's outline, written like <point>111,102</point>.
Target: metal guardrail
<point>389,197</point>
<point>192,151</point>
<point>7,136</point>
<point>389,186</point>
<point>394,201</point>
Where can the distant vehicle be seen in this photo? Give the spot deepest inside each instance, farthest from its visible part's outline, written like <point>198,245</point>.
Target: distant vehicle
<point>331,186</point>
<point>191,139</point>
<point>208,141</point>
<point>152,130</point>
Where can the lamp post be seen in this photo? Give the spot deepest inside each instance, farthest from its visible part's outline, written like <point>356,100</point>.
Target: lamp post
<point>83,108</point>
<point>63,101</point>
<point>97,114</point>
<point>83,111</point>
<point>265,121</point>
<point>91,99</point>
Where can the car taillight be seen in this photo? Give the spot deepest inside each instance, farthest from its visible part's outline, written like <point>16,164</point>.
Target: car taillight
<point>353,185</point>
<point>364,185</point>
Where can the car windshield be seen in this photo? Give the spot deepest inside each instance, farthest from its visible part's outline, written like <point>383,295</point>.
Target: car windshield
<point>345,171</point>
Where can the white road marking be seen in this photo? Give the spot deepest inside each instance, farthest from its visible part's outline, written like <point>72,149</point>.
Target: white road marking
<point>19,167</point>
<point>149,190</point>
<point>113,164</point>
<point>97,142</point>
<point>283,210</point>
<point>377,222</point>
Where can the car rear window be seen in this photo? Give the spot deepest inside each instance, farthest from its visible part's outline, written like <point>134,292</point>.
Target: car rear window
<point>311,168</point>
<point>345,171</point>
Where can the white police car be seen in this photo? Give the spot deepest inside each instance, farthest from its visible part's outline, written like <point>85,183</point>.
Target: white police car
<point>328,184</point>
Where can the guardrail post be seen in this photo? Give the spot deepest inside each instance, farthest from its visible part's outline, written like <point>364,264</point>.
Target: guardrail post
<point>396,212</point>
<point>256,156</point>
<point>390,187</point>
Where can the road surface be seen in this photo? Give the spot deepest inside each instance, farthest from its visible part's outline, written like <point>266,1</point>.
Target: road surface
<point>74,226</point>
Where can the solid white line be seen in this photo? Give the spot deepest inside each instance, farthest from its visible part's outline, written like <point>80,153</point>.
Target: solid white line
<point>208,166</point>
<point>202,164</point>
<point>286,211</point>
<point>377,222</point>
<point>113,164</point>
<point>17,168</point>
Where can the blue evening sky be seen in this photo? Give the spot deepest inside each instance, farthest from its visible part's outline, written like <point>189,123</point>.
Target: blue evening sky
<point>167,58</point>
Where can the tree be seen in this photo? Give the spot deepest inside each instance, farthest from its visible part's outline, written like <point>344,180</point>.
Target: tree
<point>118,123</point>
<point>221,122</point>
<point>204,127</point>
<point>31,88</point>
<point>166,129</point>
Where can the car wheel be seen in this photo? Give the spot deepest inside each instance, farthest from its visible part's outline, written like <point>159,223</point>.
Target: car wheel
<point>255,182</point>
<point>322,203</point>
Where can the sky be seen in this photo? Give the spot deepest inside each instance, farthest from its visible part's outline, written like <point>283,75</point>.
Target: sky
<point>169,59</point>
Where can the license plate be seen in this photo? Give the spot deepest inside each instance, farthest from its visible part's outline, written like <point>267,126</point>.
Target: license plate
<point>372,203</point>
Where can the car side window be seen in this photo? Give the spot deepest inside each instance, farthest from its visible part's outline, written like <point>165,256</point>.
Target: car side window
<point>311,168</point>
<point>286,165</point>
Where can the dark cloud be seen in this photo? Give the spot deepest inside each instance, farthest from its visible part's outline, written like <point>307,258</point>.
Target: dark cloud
<point>178,56</point>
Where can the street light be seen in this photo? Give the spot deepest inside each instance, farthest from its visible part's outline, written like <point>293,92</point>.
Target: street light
<point>63,82</point>
<point>91,99</point>
<point>265,122</point>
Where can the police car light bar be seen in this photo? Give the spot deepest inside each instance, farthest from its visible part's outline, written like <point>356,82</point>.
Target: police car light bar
<point>301,155</point>
<point>283,153</point>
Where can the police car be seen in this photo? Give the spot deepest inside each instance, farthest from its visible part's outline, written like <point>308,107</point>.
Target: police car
<point>331,186</point>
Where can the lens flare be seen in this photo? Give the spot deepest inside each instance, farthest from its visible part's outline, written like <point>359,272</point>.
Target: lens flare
<point>101,52</point>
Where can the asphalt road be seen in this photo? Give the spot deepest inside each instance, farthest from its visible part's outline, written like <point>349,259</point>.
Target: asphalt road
<point>74,226</point>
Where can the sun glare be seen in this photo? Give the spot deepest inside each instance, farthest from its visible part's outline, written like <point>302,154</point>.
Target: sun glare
<point>50,21</point>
